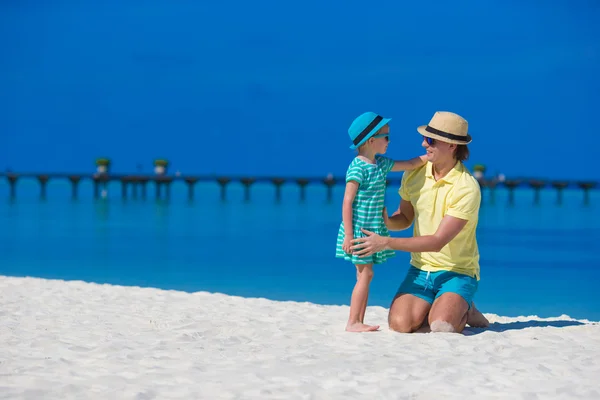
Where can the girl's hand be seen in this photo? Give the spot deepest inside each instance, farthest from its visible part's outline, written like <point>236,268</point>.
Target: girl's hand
<point>347,244</point>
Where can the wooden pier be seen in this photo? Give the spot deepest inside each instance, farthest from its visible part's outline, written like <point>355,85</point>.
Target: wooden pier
<point>132,184</point>
<point>136,185</point>
<point>537,185</point>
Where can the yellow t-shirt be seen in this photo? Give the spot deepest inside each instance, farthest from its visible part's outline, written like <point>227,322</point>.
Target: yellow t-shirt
<point>457,194</point>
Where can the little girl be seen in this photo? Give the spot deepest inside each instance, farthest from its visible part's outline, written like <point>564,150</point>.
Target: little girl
<point>364,205</point>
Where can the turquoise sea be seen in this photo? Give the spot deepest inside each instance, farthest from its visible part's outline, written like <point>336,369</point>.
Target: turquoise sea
<point>535,259</point>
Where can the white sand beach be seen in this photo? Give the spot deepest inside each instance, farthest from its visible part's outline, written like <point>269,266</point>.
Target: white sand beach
<point>76,340</point>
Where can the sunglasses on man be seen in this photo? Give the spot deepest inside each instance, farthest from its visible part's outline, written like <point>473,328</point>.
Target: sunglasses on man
<point>429,140</point>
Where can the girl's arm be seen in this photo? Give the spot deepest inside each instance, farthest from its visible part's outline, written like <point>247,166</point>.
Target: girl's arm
<point>409,164</point>
<point>349,194</point>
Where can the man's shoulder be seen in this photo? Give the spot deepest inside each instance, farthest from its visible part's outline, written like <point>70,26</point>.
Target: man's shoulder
<point>412,182</point>
<point>467,184</point>
<point>467,179</point>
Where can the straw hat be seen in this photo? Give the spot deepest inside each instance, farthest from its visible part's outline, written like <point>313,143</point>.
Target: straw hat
<point>447,127</point>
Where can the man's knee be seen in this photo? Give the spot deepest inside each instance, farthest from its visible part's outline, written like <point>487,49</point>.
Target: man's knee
<point>448,313</point>
<point>442,326</point>
<point>402,324</point>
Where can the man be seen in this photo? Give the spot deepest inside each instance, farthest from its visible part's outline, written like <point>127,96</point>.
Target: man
<point>442,198</point>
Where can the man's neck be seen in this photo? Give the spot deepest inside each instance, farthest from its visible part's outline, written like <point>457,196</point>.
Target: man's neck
<point>440,170</point>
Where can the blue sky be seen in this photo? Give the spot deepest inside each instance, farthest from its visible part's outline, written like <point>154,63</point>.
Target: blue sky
<point>270,87</point>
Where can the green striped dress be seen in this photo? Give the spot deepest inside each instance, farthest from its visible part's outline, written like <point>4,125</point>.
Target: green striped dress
<point>367,209</point>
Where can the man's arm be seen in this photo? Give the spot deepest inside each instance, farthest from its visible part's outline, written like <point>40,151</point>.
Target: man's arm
<point>448,229</point>
<point>403,218</point>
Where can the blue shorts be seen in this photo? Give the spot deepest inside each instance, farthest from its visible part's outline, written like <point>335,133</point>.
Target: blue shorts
<point>431,285</point>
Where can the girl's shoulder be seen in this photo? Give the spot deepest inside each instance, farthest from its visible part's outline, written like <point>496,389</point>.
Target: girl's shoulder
<point>359,163</point>
<point>365,163</point>
<point>385,163</point>
<point>380,159</point>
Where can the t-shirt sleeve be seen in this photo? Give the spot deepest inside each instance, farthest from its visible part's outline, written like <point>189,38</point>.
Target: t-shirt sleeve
<point>465,203</point>
<point>355,173</point>
<point>386,163</point>
<point>403,192</point>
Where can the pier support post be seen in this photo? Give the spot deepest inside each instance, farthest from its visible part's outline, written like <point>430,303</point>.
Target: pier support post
<point>74,179</point>
<point>482,185</point>
<point>190,183</point>
<point>511,185</point>
<point>12,181</point>
<point>160,182</point>
<point>43,179</point>
<point>586,186</point>
<point>559,186</point>
<point>329,182</point>
<point>167,182</point>
<point>124,184</point>
<point>491,185</point>
<point>302,182</point>
<point>135,182</point>
<point>247,182</point>
<point>537,186</point>
<point>143,184</point>
<point>278,182</point>
<point>223,181</point>
<point>99,180</point>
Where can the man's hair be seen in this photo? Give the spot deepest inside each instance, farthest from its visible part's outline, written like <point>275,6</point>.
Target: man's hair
<point>462,152</point>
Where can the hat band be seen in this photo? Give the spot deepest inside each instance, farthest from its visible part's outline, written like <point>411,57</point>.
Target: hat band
<point>368,129</point>
<point>446,134</point>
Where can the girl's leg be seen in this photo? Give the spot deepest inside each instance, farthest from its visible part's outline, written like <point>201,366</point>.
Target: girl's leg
<point>362,313</point>
<point>364,310</point>
<point>358,302</point>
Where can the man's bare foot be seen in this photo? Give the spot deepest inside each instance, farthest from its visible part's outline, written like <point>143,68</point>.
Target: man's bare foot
<point>360,327</point>
<point>476,319</point>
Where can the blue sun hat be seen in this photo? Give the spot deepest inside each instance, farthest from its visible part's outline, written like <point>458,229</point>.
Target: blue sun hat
<point>364,126</point>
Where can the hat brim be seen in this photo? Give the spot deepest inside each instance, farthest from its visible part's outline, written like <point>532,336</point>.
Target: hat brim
<point>422,131</point>
<point>380,125</point>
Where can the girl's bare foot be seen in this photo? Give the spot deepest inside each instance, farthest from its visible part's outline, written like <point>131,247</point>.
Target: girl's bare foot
<point>360,327</point>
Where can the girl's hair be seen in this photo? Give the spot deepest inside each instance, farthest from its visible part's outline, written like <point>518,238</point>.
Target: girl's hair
<point>365,143</point>
<point>362,146</point>
<point>462,152</point>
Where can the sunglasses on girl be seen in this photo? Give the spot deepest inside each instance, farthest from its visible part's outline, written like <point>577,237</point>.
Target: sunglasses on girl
<point>429,140</point>
<point>384,135</point>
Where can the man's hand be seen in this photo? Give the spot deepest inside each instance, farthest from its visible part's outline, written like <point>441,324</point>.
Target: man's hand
<point>366,246</point>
